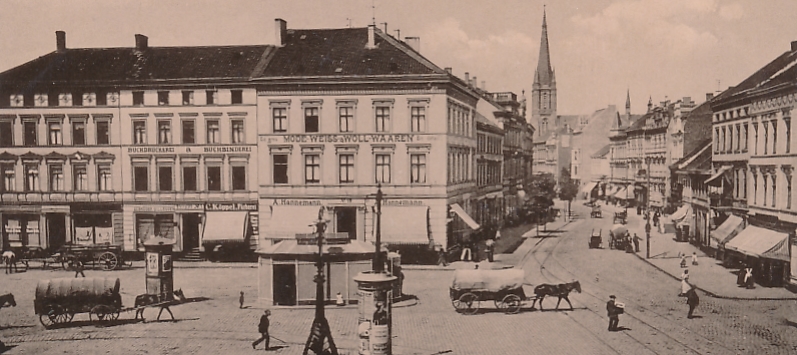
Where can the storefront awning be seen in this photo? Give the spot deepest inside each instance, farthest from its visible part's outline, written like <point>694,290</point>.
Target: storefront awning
<point>589,187</point>
<point>656,199</point>
<point>226,227</point>
<point>622,194</point>
<point>464,216</point>
<point>714,180</point>
<point>681,213</point>
<point>727,230</point>
<point>762,243</point>
<point>288,221</point>
<point>293,247</point>
<point>405,225</point>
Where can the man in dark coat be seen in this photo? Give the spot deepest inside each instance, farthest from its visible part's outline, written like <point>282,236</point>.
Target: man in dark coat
<point>692,300</point>
<point>262,328</point>
<point>613,312</point>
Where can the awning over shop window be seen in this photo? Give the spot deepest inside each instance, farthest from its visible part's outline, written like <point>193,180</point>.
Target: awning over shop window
<point>288,221</point>
<point>226,227</point>
<point>681,213</point>
<point>589,187</point>
<point>623,194</point>
<point>714,180</point>
<point>464,216</point>
<point>762,243</point>
<point>727,230</point>
<point>405,225</point>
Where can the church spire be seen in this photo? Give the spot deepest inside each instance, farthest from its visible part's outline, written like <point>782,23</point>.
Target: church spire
<point>544,74</point>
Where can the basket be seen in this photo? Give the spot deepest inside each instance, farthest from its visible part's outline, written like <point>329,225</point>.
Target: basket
<point>620,307</point>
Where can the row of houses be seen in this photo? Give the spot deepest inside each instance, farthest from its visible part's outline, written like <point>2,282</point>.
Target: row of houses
<point>242,145</point>
<point>723,169</point>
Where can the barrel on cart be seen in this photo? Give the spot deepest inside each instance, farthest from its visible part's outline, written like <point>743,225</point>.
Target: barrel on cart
<point>58,300</point>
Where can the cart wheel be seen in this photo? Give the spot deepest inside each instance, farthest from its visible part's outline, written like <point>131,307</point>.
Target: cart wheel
<point>105,312</point>
<point>107,261</point>
<point>468,303</point>
<point>510,304</point>
<point>56,315</point>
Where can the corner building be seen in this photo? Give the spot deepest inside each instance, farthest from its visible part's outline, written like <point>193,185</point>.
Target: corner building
<point>373,113</point>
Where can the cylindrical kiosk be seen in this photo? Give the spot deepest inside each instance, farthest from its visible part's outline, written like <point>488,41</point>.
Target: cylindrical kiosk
<point>375,320</point>
<point>159,266</point>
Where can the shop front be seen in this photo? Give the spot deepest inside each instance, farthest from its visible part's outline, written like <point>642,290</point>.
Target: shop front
<point>228,230</point>
<point>96,223</point>
<point>763,249</point>
<point>21,226</point>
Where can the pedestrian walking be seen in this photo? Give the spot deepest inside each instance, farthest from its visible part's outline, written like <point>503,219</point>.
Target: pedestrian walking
<point>490,244</point>
<point>241,300</point>
<point>692,300</point>
<point>656,217</point>
<point>78,266</point>
<point>636,242</point>
<point>685,286</point>
<point>613,312</point>
<point>683,260</point>
<point>262,328</point>
<point>694,258</point>
<point>441,257</point>
<point>11,261</point>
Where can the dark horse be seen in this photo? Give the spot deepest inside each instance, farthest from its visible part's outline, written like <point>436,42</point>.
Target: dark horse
<point>560,290</point>
<point>7,300</point>
<point>163,301</point>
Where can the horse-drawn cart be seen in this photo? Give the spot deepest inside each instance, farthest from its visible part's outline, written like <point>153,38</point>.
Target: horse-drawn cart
<point>619,237</point>
<point>503,286</point>
<point>621,217</point>
<point>595,239</point>
<point>102,256</point>
<point>58,300</point>
<point>596,212</point>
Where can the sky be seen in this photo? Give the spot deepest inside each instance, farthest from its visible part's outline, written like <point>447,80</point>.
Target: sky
<point>657,49</point>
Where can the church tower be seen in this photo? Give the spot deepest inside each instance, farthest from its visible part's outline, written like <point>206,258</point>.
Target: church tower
<point>543,93</point>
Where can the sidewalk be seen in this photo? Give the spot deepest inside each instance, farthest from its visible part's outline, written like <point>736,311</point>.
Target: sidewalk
<point>709,275</point>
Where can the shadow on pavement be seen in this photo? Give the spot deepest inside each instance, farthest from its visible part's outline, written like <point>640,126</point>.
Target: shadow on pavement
<point>95,323</point>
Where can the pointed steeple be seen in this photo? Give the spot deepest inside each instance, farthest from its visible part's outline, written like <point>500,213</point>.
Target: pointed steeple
<point>544,74</point>
<point>628,103</point>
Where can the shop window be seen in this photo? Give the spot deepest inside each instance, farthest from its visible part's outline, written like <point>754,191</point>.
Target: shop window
<point>164,132</point>
<point>29,133</point>
<point>213,135</point>
<point>6,134</point>
<point>103,132</point>
<point>346,168</point>
<point>31,177</point>
<point>9,177</point>
<point>189,132</point>
<point>237,128</point>
<point>139,132</point>
<point>56,178</point>
<point>94,228</point>
<point>238,178</point>
<point>280,169</point>
<point>214,178</point>
<point>141,178</point>
<point>165,178</point>
<point>79,177</point>
<point>104,178</point>
<point>189,178</point>
<point>78,133</point>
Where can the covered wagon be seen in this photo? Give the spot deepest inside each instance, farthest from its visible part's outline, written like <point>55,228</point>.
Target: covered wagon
<point>58,300</point>
<point>503,286</point>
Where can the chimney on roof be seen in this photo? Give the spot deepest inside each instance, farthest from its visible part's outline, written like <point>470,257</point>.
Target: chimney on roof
<point>467,78</point>
<point>484,85</point>
<point>141,42</point>
<point>60,41</point>
<point>793,46</point>
<point>709,96</point>
<point>474,82</point>
<point>414,43</point>
<point>280,32</point>
<point>371,37</point>
<point>449,70</point>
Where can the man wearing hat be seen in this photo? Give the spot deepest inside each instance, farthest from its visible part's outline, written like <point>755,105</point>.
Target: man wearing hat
<point>262,328</point>
<point>614,313</point>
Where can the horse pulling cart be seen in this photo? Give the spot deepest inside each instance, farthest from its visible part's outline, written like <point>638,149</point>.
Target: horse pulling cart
<point>58,300</point>
<point>503,286</point>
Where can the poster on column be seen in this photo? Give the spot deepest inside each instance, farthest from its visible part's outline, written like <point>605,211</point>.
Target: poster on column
<point>380,329</point>
<point>152,264</point>
<point>364,327</point>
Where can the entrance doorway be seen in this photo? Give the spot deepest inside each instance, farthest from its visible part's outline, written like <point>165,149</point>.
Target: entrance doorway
<point>56,230</point>
<point>191,222</point>
<point>285,284</point>
<point>346,221</point>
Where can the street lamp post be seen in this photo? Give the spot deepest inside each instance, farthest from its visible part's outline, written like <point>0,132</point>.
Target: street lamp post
<point>647,224</point>
<point>319,332</point>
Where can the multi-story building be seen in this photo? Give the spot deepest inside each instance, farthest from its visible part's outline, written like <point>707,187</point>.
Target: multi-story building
<point>373,114</point>
<point>690,174</point>
<point>752,123</point>
<point>146,141</point>
<point>601,168</point>
<point>616,189</point>
<point>489,161</point>
<point>517,148</point>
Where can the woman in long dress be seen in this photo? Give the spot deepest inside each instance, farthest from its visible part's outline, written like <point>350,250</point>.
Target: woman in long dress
<point>685,286</point>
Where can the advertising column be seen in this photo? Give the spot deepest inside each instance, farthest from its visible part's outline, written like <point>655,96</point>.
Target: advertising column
<point>375,319</point>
